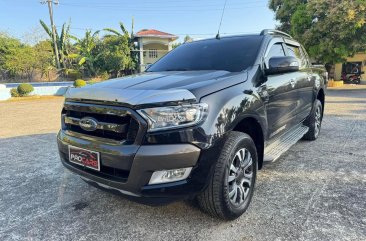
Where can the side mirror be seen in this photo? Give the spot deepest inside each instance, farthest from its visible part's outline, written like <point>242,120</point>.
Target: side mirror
<point>284,64</point>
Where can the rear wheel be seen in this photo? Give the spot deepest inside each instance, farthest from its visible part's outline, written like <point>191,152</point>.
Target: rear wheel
<point>231,187</point>
<point>314,122</point>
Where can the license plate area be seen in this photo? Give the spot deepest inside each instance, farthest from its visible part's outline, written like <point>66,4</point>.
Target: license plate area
<point>85,158</point>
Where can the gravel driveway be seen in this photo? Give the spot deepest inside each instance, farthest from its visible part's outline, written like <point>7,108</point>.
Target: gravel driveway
<point>316,191</point>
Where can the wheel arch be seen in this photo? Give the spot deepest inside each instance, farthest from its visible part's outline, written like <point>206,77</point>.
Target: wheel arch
<point>253,128</point>
<point>321,97</point>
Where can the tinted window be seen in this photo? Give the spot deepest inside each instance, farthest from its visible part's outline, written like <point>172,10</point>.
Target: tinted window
<point>232,54</point>
<point>275,51</point>
<point>296,52</point>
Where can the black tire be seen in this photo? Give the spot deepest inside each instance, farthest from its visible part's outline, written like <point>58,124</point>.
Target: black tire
<point>215,199</point>
<point>314,122</point>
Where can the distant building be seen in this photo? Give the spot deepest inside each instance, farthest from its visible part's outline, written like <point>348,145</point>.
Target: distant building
<point>349,67</point>
<point>152,45</point>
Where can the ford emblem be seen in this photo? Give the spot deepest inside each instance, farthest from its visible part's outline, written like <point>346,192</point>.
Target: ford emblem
<point>88,124</point>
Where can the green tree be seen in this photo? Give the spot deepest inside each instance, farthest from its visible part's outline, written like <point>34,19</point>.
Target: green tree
<point>123,32</point>
<point>330,30</point>
<point>44,55</point>
<point>89,53</point>
<point>7,47</point>
<point>22,61</point>
<point>188,38</point>
<point>115,56</point>
<point>125,38</point>
<point>284,10</point>
<point>175,45</point>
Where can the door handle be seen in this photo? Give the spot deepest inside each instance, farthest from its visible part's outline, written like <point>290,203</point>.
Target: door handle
<point>293,83</point>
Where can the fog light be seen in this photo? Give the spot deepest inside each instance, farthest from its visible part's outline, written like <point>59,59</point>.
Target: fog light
<point>170,175</point>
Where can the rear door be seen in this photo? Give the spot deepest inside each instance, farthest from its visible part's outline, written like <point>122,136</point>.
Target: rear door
<point>281,95</point>
<point>304,81</point>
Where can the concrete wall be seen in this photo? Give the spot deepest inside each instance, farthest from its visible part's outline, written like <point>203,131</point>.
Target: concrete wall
<point>50,90</point>
<point>361,57</point>
<point>38,90</point>
<point>4,93</point>
<point>41,84</point>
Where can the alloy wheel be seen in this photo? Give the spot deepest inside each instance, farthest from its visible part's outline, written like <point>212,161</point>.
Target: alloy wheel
<point>240,177</point>
<point>318,120</point>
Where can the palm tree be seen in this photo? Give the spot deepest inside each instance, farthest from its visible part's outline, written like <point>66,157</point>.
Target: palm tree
<point>62,41</point>
<point>88,56</point>
<point>124,32</point>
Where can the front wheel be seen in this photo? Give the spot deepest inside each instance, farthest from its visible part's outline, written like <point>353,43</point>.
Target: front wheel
<point>231,186</point>
<point>314,121</point>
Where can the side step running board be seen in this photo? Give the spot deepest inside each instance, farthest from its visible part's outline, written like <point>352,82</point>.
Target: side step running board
<point>281,144</point>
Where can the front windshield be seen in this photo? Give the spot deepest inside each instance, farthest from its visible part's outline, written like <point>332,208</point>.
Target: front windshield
<point>232,54</point>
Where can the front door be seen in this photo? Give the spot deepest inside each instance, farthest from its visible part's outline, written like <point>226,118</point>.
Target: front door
<point>281,94</point>
<point>282,103</point>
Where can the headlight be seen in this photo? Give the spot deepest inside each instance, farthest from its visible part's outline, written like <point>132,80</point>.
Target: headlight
<point>164,118</point>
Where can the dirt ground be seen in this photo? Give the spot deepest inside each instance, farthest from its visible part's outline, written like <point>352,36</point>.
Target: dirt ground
<point>28,117</point>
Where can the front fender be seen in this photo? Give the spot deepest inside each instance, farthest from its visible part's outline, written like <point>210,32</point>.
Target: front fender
<point>228,107</point>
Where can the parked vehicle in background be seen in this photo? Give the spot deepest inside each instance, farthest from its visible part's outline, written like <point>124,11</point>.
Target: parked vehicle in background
<point>352,78</point>
<point>198,124</point>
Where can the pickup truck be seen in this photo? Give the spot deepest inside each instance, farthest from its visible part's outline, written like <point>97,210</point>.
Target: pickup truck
<point>198,124</point>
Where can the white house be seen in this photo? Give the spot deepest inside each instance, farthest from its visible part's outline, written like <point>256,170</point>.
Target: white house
<point>152,44</point>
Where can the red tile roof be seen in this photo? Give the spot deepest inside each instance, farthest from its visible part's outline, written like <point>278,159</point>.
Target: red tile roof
<point>154,33</point>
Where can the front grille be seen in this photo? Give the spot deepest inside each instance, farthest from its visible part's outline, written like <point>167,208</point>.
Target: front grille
<point>113,123</point>
<point>98,133</point>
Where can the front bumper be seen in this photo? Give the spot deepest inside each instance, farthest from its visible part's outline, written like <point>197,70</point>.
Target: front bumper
<point>135,165</point>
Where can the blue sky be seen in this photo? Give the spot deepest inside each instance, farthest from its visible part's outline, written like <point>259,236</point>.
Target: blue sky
<point>199,19</point>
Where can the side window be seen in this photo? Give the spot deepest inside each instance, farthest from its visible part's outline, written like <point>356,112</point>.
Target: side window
<point>275,51</point>
<point>296,52</point>
<point>305,56</point>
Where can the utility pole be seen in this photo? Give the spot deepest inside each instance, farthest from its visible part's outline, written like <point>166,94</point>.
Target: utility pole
<point>50,9</point>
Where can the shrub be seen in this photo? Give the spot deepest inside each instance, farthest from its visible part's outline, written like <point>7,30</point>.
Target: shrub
<point>79,83</point>
<point>91,82</point>
<point>14,92</point>
<point>73,74</point>
<point>104,76</point>
<point>25,89</point>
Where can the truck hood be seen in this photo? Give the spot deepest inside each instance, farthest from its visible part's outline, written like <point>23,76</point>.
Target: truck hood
<point>152,88</point>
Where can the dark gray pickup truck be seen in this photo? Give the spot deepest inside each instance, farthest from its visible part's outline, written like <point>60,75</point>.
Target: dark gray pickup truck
<point>198,124</point>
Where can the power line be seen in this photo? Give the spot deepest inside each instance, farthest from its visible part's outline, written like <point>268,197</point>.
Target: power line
<point>180,34</point>
<point>105,5</point>
<point>154,11</point>
<point>145,5</point>
<point>162,2</point>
